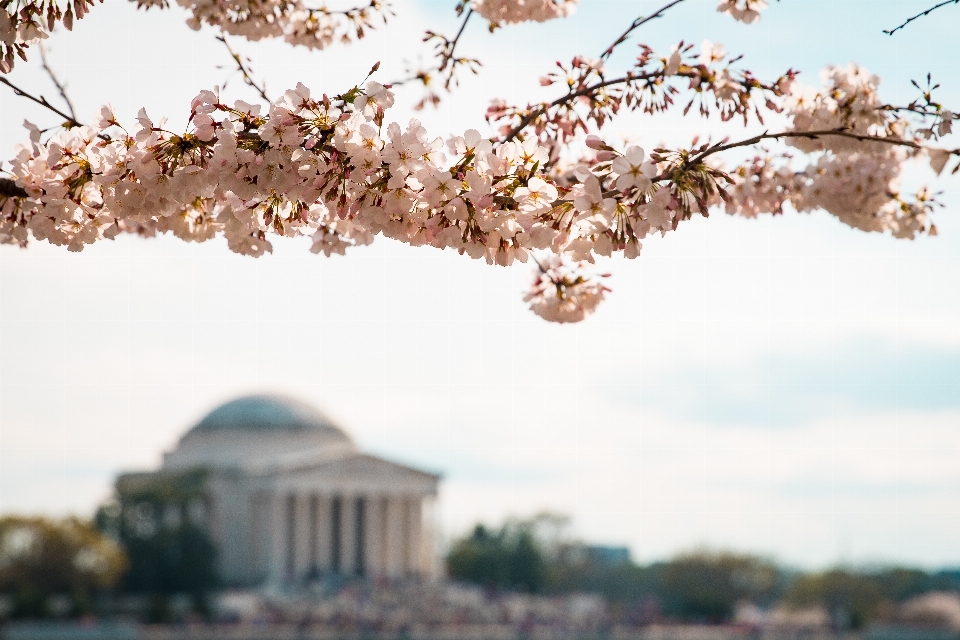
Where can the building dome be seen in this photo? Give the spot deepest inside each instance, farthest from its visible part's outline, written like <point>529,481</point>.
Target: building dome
<point>255,429</point>
<point>267,413</point>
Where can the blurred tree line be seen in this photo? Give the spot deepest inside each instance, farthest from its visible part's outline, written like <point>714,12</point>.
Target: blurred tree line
<point>699,586</point>
<point>169,549</point>
<point>41,558</point>
<point>145,542</point>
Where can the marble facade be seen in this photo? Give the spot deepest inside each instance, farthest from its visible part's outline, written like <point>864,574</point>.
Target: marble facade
<point>288,497</point>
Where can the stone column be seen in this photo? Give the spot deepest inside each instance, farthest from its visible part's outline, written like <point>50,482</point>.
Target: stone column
<point>301,564</point>
<point>336,534</point>
<point>313,532</point>
<point>375,536</point>
<point>290,546</point>
<point>276,537</point>
<point>348,535</point>
<point>428,556</point>
<point>324,533</point>
<point>395,535</point>
<point>414,539</point>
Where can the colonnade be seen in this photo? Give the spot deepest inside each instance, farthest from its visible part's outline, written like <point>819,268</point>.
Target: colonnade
<point>314,534</point>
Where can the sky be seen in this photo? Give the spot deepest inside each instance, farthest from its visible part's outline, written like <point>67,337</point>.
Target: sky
<point>785,386</point>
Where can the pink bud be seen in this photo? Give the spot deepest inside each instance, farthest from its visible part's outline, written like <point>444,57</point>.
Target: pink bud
<point>594,142</point>
<point>603,156</point>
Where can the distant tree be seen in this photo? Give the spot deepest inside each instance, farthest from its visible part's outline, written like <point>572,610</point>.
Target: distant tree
<point>707,586</point>
<point>41,558</point>
<point>169,551</point>
<point>508,558</point>
<point>852,598</point>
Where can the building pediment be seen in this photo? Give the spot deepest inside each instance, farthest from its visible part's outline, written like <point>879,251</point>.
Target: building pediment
<point>356,473</point>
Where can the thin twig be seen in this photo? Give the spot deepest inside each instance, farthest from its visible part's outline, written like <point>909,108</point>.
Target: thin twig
<point>41,101</point>
<point>920,15</point>
<point>636,24</point>
<point>448,55</point>
<point>247,78</point>
<point>60,86</point>
<point>801,134</point>
<point>573,95</point>
<point>447,50</point>
<point>374,4</point>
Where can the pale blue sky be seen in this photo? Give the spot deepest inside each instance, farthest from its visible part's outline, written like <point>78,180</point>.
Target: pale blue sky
<point>787,386</point>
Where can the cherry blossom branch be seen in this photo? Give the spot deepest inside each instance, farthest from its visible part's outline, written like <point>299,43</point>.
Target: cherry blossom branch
<point>448,63</point>
<point>69,120</point>
<point>704,79</point>
<point>919,15</point>
<point>60,87</point>
<point>802,134</point>
<point>526,120</point>
<point>448,58</point>
<point>247,78</point>
<point>29,22</point>
<point>372,5</point>
<point>636,24</point>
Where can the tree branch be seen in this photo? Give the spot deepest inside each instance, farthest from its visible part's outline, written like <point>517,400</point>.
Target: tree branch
<point>919,15</point>
<point>637,24</point>
<point>9,189</point>
<point>60,87</point>
<point>247,78</point>
<point>573,95</point>
<point>800,134</point>
<point>71,121</point>
<point>452,46</point>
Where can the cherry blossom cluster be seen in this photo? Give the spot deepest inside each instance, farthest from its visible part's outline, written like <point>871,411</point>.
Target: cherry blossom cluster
<point>853,173</point>
<point>294,21</point>
<point>331,169</point>
<point>651,85</point>
<point>747,11</point>
<point>334,170</point>
<point>501,12</point>
<point>24,23</point>
<point>565,291</point>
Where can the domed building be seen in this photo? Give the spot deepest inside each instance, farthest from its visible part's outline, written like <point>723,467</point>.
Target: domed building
<point>286,496</point>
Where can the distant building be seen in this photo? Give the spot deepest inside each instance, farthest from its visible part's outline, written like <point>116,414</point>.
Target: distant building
<point>287,496</point>
<point>607,555</point>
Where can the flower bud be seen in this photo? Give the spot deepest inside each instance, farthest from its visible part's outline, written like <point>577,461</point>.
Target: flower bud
<point>594,142</point>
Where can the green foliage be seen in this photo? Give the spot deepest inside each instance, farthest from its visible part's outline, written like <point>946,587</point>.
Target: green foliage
<point>707,586</point>
<point>168,552</point>
<point>41,557</point>
<point>844,593</point>
<point>854,598</point>
<point>509,558</point>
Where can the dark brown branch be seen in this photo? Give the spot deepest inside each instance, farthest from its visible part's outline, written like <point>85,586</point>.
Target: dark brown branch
<point>635,25</point>
<point>9,189</point>
<point>919,15</point>
<point>60,87</point>
<point>573,95</point>
<point>452,46</point>
<point>447,59</point>
<point>800,134</point>
<point>41,101</point>
<point>247,78</point>
<point>375,5</point>
<point>69,121</point>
